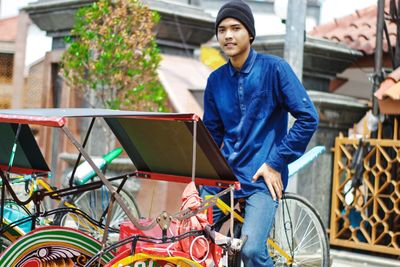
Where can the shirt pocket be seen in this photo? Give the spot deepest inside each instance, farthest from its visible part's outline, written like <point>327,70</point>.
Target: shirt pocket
<point>259,105</point>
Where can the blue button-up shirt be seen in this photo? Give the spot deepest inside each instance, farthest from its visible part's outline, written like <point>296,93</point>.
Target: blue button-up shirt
<point>246,113</point>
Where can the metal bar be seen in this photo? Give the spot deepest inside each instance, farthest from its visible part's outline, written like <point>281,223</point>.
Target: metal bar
<point>105,212</point>
<point>378,55</point>
<point>280,250</point>
<point>186,179</point>
<point>14,196</point>
<point>107,225</point>
<point>385,29</point>
<point>396,14</point>
<point>337,156</point>
<point>82,188</point>
<point>14,149</point>
<point>231,215</point>
<point>71,179</point>
<point>194,150</point>
<point>3,192</point>
<point>187,213</point>
<point>379,136</point>
<point>106,182</point>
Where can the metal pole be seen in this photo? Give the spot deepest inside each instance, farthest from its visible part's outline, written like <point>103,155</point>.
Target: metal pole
<point>397,45</point>
<point>194,150</point>
<point>294,46</point>
<point>2,201</point>
<point>378,55</point>
<point>71,179</point>
<point>294,39</point>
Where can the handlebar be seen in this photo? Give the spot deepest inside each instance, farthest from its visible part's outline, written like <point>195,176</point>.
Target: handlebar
<point>16,179</point>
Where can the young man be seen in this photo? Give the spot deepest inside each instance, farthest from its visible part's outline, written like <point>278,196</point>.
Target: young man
<point>246,105</point>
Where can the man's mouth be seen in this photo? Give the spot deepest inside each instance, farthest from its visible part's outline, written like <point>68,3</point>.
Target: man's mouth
<point>229,45</point>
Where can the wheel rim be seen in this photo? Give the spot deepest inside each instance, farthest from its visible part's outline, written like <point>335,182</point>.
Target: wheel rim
<point>294,219</point>
<point>94,203</point>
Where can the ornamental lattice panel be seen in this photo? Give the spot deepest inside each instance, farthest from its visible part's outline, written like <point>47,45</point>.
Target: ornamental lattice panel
<point>367,217</point>
<point>6,68</point>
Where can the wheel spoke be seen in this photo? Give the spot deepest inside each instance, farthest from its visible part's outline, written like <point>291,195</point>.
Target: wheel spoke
<point>306,233</point>
<point>94,203</point>
<point>305,237</point>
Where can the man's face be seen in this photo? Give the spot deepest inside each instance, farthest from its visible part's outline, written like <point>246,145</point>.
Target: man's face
<point>233,37</point>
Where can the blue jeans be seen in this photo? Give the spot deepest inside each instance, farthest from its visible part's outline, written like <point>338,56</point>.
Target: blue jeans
<point>259,217</point>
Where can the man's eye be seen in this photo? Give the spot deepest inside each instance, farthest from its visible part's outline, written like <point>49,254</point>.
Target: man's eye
<point>236,28</point>
<point>221,30</point>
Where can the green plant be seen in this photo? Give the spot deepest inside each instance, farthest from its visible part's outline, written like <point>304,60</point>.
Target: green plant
<point>113,53</point>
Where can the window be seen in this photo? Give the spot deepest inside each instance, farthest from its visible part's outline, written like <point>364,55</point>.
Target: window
<point>6,68</point>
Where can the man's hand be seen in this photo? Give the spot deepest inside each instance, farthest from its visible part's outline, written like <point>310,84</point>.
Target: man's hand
<point>272,178</point>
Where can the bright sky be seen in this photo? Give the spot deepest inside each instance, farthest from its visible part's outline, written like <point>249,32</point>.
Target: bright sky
<point>35,35</point>
<point>10,7</point>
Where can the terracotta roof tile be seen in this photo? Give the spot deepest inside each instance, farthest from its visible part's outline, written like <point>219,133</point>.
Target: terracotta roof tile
<point>388,94</point>
<point>8,29</point>
<point>385,85</point>
<point>393,92</point>
<point>395,75</point>
<point>357,30</point>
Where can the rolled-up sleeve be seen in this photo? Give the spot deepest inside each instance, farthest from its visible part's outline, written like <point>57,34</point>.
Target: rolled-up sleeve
<point>294,98</point>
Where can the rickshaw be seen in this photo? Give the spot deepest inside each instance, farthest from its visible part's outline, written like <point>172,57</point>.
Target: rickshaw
<point>165,147</point>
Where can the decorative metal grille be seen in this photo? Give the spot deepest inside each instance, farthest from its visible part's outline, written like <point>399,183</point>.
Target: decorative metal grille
<point>33,90</point>
<point>5,103</point>
<point>367,216</point>
<point>6,68</point>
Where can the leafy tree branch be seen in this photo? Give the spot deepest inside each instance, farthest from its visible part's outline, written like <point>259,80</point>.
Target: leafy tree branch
<point>113,54</point>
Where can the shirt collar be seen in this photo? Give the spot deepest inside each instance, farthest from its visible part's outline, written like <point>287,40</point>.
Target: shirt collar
<point>248,64</point>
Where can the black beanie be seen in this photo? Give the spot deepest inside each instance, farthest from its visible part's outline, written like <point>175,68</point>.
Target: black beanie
<point>239,10</point>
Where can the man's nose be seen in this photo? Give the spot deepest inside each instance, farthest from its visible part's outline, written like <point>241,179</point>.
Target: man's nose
<point>228,34</point>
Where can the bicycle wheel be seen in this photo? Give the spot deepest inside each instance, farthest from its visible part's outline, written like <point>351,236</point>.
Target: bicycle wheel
<point>4,243</point>
<point>94,203</point>
<point>299,232</point>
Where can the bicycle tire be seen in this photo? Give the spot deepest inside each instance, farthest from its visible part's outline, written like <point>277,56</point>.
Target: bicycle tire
<point>308,244</point>
<point>94,203</point>
<point>296,205</point>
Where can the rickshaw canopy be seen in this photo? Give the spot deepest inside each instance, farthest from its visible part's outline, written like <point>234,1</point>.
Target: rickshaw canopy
<point>160,145</point>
